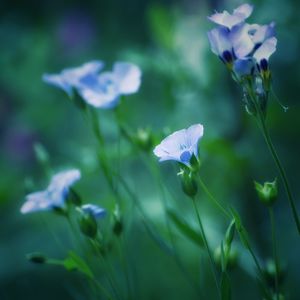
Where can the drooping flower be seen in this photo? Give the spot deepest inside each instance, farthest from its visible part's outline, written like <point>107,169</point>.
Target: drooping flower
<point>54,195</point>
<point>228,20</point>
<point>99,90</point>
<point>180,145</point>
<point>96,211</point>
<point>70,78</point>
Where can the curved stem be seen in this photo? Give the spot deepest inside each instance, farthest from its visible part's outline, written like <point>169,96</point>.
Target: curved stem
<point>275,256</point>
<point>212,264</point>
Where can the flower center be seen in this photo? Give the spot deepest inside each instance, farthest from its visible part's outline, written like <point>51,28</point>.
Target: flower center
<point>185,156</point>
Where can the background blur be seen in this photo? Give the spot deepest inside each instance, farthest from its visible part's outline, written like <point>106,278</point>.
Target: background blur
<point>183,83</point>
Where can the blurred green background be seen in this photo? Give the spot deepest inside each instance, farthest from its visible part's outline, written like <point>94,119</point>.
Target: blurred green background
<point>183,83</point>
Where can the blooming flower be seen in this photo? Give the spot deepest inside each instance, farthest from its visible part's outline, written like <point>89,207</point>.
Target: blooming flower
<point>54,195</point>
<point>99,90</point>
<point>180,145</point>
<point>228,20</point>
<point>96,211</point>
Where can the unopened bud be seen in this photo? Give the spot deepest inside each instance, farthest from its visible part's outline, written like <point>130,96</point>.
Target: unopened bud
<point>268,192</point>
<point>37,258</point>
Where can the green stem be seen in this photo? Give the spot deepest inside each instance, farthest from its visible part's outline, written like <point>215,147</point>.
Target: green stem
<point>268,140</point>
<point>272,220</point>
<point>281,172</point>
<point>213,268</point>
<point>212,198</point>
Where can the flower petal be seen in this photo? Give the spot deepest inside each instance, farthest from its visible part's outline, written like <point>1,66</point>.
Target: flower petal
<point>265,50</point>
<point>37,201</point>
<point>95,210</point>
<point>128,77</point>
<point>219,40</point>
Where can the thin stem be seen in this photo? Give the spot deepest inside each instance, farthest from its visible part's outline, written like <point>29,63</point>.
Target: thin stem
<point>268,140</point>
<point>275,256</point>
<point>125,268</point>
<point>212,198</point>
<point>281,172</point>
<point>213,268</point>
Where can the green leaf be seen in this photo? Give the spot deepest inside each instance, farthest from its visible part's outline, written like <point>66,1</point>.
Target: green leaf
<point>75,263</point>
<point>225,287</point>
<point>185,228</point>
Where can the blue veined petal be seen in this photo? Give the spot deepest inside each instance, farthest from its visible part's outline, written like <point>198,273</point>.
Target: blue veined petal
<point>95,210</point>
<point>229,20</point>
<point>58,81</point>
<point>127,76</point>
<point>219,39</point>
<point>241,40</point>
<point>180,145</point>
<point>262,33</point>
<point>265,50</point>
<point>243,67</point>
<point>55,194</point>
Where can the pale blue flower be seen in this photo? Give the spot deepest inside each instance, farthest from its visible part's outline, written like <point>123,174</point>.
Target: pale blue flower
<point>99,90</point>
<point>180,145</point>
<point>54,195</point>
<point>96,211</point>
<point>260,33</point>
<point>228,20</point>
<point>70,78</point>
<point>105,90</point>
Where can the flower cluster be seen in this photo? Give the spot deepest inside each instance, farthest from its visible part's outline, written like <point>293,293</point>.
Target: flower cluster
<point>244,48</point>
<point>101,90</point>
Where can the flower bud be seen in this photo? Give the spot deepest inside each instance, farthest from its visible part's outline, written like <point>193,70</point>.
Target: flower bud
<point>88,225</point>
<point>144,139</point>
<point>270,273</point>
<point>268,192</point>
<point>188,183</point>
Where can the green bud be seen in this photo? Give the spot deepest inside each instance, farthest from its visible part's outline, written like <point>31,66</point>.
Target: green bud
<point>88,225</point>
<point>268,192</point>
<point>144,139</point>
<point>188,183</point>
<point>231,257</point>
<point>37,258</point>
<point>41,153</point>
<point>270,273</point>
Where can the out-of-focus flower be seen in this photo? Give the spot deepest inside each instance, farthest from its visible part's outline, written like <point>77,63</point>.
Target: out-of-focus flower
<point>180,145</point>
<point>105,90</point>
<point>228,20</point>
<point>70,78</point>
<point>96,211</point>
<point>55,194</point>
<point>99,90</point>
